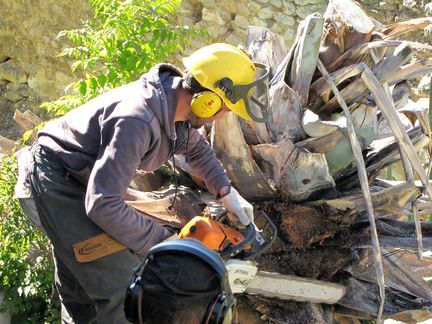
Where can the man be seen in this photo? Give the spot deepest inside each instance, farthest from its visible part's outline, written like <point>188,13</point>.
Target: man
<point>181,281</point>
<point>82,164</point>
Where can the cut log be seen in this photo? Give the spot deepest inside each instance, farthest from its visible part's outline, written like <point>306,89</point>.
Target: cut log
<point>320,89</point>
<point>386,199</point>
<point>355,54</point>
<point>358,89</point>
<point>402,27</point>
<point>231,148</point>
<point>397,276</point>
<point>318,128</point>
<point>298,174</point>
<point>383,153</point>
<point>265,47</point>
<point>284,120</point>
<point>361,300</point>
<point>161,208</point>
<point>410,71</point>
<point>346,26</point>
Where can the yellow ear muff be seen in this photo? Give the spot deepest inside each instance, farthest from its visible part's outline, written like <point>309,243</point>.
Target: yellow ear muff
<point>206,104</point>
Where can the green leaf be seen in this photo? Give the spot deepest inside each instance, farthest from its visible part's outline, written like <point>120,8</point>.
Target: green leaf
<point>102,80</point>
<point>76,65</point>
<point>26,136</point>
<point>83,87</point>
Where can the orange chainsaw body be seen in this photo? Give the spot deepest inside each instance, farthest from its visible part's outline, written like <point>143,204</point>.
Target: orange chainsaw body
<point>213,234</point>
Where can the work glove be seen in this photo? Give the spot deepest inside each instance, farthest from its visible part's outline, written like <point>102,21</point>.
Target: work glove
<point>239,210</point>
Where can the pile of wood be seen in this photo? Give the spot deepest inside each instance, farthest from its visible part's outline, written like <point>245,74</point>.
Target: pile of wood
<point>339,113</point>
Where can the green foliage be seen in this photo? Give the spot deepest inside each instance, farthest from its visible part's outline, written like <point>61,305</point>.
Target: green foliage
<point>124,40</point>
<point>26,269</point>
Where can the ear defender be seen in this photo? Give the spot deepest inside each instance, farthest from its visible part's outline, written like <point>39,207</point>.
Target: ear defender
<point>206,104</point>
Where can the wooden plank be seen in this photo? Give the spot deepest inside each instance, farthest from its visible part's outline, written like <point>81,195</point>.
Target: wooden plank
<point>6,145</point>
<point>31,116</point>
<point>23,121</point>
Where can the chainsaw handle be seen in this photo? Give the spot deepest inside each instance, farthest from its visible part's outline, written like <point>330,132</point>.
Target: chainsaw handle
<point>236,249</point>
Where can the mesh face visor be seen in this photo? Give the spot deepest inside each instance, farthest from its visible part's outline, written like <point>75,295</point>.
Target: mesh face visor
<point>255,95</point>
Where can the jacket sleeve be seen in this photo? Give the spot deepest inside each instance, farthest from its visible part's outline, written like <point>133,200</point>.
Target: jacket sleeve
<point>123,143</point>
<point>203,161</point>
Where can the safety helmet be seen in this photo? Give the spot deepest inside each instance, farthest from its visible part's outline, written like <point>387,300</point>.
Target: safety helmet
<point>229,72</point>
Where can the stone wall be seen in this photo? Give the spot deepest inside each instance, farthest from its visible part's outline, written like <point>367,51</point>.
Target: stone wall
<point>30,72</point>
<point>228,20</point>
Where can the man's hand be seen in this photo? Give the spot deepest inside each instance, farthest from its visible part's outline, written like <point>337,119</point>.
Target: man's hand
<point>237,206</point>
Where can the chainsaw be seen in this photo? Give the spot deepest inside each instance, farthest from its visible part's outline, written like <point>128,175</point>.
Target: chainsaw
<point>238,250</point>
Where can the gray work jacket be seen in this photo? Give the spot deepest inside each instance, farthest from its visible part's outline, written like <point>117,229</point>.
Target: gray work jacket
<point>103,142</point>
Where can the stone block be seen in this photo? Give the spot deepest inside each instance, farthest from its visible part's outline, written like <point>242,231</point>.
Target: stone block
<point>265,13</point>
<point>208,3</point>
<point>308,2</point>
<point>254,6</point>
<point>284,19</point>
<point>306,10</point>
<point>186,20</point>
<point>289,8</point>
<point>289,36</point>
<point>12,71</point>
<point>258,22</point>
<point>217,30</point>
<point>242,8</point>
<point>230,7</point>
<point>276,3</point>
<point>278,28</point>
<point>234,39</point>
<point>16,92</point>
<point>211,16</point>
<point>62,79</point>
<point>21,88</point>
<point>241,22</point>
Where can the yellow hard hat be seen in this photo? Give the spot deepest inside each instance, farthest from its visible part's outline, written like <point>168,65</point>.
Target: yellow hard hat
<point>227,71</point>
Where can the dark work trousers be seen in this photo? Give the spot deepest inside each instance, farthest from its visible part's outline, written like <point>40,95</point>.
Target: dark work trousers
<point>90,292</point>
